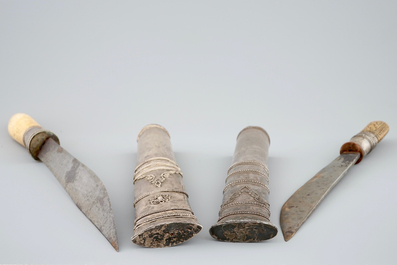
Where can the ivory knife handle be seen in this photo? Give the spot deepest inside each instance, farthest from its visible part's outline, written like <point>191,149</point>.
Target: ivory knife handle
<point>19,124</point>
<point>366,140</point>
<point>27,132</point>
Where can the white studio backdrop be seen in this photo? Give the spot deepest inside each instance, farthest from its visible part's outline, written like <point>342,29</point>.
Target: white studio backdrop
<point>311,73</point>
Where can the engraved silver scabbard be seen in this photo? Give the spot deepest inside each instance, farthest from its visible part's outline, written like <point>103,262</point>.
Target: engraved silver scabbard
<point>245,213</point>
<point>163,216</point>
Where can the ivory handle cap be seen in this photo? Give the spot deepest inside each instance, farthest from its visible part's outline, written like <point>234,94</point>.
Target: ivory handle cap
<point>27,132</point>
<point>19,124</point>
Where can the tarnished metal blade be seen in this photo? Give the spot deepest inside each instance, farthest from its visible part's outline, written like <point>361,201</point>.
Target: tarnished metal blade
<point>303,202</point>
<point>83,186</point>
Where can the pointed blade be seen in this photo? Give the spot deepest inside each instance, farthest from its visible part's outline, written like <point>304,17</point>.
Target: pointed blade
<point>83,186</point>
<point>302,203</point>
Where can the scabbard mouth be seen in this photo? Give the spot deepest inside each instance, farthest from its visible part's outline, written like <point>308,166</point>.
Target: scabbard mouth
<point>166,234</point>
<point>243,231</point>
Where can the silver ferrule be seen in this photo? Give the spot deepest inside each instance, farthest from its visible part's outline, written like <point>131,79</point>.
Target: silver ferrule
<point>35,137</point>
<point>366,140</point>
<point>29,134</point>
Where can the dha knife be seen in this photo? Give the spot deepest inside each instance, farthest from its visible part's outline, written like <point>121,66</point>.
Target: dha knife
<point>302,203</point>
<point>83,186</point>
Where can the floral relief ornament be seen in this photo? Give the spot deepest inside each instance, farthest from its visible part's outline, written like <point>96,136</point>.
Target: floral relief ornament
<point>157,181</point>
<point>160,199</point>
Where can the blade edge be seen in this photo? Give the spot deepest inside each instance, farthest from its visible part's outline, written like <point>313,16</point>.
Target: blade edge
<point>297,209</point>
<point>83,186</point>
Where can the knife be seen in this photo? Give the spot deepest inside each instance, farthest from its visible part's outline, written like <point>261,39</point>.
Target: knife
<point>83,186</point>
<point>302,203</point>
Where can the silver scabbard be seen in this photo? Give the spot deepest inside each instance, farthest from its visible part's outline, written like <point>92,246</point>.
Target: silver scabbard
<point>245,215</point>
<point>163,216</point>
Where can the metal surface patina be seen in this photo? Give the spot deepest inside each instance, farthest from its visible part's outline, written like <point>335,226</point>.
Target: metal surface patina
<point>83,186</point>
<point>245,215</point>
<point>302,203</point>
<point>163,216</point>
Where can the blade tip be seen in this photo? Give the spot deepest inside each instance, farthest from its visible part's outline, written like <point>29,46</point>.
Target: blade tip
<point>115,245</point>
<point>288,235</point>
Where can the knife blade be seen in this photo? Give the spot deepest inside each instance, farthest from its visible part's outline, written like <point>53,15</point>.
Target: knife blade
<point>83,186</point>
<point>305,200</point>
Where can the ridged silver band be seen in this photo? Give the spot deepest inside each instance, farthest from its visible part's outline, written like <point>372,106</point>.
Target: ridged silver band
<point>246,181</point>
<point>153,159</point>
<point>231,204</point>
<point>248,162</point>
<point>167,210</point>
<point>236,204</point>
<point>156,163</point>
<point>267,217</point>
<point>181,215</point>
<point>248,171</point>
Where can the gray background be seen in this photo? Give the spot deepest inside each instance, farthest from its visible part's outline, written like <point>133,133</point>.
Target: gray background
<point>312,73</point>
